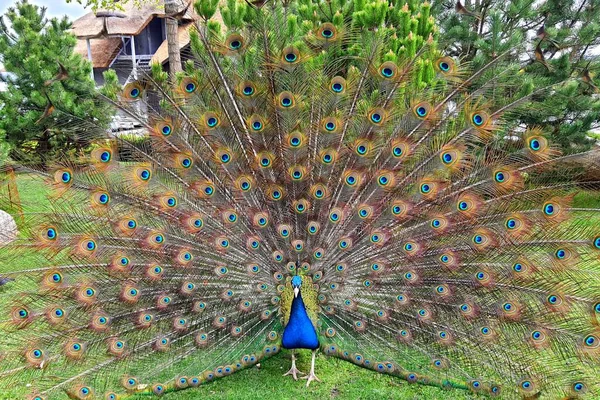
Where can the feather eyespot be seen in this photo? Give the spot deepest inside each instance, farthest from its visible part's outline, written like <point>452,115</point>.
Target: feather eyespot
<point>377,116</point>
<point>313,227</point>
<point>327,32</point>
<point>188,86</point>
<point>63,176</point>
<point>234,42</point>
<point>286,100</point>
<point>301,206</point>
<point>277,256</point>
<point>362,147</point>
<point>244,183</point>
<point>480,120</point>
<point>345,243</point>
<point>296,140</point>
<point>388,70</point>
<point>422,110</point>
<point>386,179</point>
<point>477,119</point>
<point>330,125</point>
<point>246,89</point>
<point>297,173</point>
<point>319,191</point>
<point>335,215</point>
<point>133,91</point>
<point>275,192</point>
<point>527,386</point>
<point>142,174</point>
<point>102,156</point>
<point>365,211</point>
<point>337,85</point>
<point>537,143</point>
<point>256,123</point>
<point>445,65</point>
<point>265,159</point>
<point>591,341</point>
<point>253,243</point>
<point>328,156</point>
<point>290,55</point>
<point>163,129</point>
<point>579,388</point>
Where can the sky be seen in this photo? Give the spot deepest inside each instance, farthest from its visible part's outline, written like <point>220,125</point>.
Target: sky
<point>56,8</point>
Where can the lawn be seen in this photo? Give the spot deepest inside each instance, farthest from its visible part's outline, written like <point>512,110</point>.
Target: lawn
<point>341,380</point>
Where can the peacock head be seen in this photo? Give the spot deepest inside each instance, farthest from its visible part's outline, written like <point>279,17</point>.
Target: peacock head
<point>296,283</point>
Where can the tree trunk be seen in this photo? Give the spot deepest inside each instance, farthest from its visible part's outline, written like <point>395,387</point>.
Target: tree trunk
<point>171,10</point>
<point>44,147</point>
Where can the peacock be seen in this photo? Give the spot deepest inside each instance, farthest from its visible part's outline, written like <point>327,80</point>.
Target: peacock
<point>320,176</point>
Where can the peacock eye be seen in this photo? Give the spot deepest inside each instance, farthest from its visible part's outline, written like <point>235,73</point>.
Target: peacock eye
<point>145,174</point>
<point>190,87</point>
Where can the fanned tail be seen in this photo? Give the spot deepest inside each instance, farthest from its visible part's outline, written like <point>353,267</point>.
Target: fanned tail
<point>444,246</point>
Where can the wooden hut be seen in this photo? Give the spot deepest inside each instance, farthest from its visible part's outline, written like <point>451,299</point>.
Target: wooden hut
<point>129,40</point>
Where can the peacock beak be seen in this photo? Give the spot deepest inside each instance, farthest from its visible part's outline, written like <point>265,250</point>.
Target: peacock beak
<point>296,291</point>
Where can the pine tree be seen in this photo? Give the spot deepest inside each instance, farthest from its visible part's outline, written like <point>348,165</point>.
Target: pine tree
<point>560,38</point>
<point>49,106</point>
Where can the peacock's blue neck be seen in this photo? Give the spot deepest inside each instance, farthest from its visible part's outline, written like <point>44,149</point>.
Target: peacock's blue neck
<point>299,333</point>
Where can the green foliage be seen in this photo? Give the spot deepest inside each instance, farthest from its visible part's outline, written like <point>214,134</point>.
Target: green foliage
<point>206,8</point>
<point>112,4</point>
<point>111,88</point>
<point>233,14</point>
<point>42,114</point>
<point>4,151</point>
<point>510,29</point>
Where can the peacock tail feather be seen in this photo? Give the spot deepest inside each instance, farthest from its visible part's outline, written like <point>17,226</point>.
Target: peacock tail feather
<point>437,243</point>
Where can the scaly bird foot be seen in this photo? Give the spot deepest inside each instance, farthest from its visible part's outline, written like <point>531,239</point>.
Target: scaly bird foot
<point>294,372</point>
<point>311,377</point>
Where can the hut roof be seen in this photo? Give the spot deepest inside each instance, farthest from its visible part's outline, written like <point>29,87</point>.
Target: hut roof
<point>127,22</point>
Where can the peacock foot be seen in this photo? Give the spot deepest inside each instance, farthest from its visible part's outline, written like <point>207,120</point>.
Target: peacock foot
<point>294,372</point>
<point>311,377</point>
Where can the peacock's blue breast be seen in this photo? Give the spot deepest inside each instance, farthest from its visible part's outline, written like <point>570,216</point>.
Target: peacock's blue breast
<point>299,333</point>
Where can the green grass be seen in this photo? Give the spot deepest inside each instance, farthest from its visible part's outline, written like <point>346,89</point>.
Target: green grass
<point>341,380</point>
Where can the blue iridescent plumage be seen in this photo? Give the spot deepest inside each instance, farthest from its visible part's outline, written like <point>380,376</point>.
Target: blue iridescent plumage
<point>299,333</point>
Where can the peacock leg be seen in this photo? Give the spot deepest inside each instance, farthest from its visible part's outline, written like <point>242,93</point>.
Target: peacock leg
<point>311,376</point>
<point>294,371</point>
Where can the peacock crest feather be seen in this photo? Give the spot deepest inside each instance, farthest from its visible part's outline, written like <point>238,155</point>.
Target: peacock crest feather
<point>434,242</point>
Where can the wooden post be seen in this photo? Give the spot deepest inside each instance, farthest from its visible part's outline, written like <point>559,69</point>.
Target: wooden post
<point>133,57</point>
<point>89,49</point>
<point>172,25</point>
